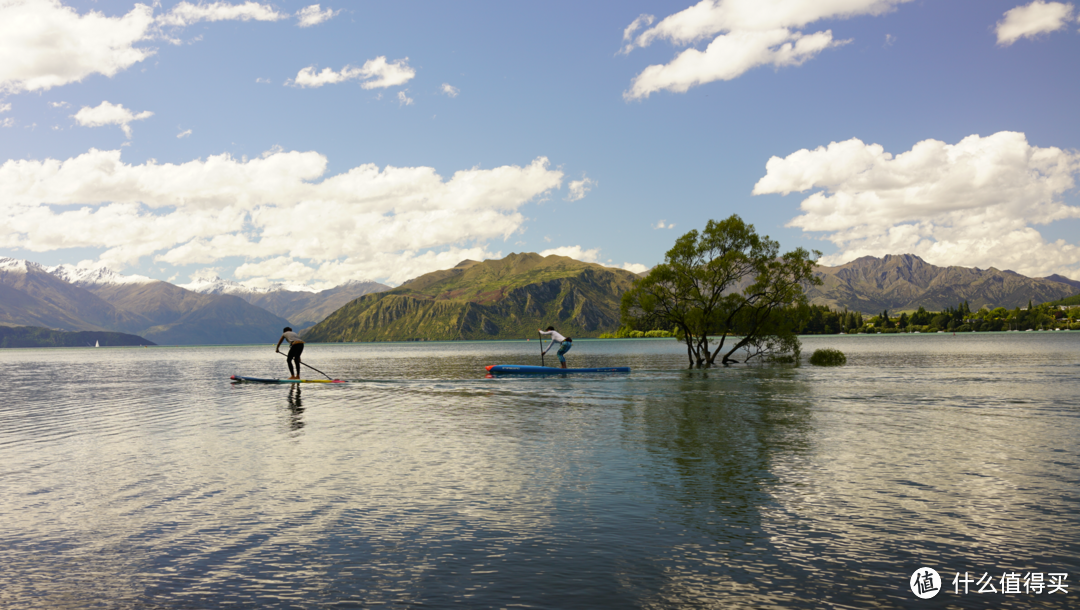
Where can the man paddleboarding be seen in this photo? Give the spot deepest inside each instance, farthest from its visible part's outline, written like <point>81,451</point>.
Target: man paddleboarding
<point>565,342</point>
<point>296,347</point>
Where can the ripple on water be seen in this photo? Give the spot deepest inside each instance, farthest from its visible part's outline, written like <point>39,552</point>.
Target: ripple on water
<point>142,478</point>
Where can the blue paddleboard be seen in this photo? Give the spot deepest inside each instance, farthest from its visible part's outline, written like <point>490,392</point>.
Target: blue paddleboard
<point>524,369</point>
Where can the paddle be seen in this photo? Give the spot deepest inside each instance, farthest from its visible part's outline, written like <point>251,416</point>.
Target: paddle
<point>541,347</point>
<point>311,367</point>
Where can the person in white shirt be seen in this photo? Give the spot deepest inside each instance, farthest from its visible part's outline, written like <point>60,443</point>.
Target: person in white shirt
<point>565,342</point>
<point>296,347</point>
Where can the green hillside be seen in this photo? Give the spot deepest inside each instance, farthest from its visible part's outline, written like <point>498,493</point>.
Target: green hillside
<point>497,299</point>
<point>1073,300</point>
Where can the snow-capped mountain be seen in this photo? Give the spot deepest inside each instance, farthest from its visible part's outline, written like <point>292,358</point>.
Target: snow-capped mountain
<point>17,265</point>
<point>217,285</point>
<point>86,276</point>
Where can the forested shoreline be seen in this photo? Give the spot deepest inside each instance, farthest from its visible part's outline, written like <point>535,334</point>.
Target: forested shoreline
<point>824,321</point>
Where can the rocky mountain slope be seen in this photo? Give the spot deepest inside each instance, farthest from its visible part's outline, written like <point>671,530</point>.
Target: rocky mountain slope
<point>99,300</point>
<point>906,282</point>
<point>302,308</point>
<point>495,299</point>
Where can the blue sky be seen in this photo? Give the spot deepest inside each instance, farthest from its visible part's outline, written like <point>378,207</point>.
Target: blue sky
<point>183,138</point>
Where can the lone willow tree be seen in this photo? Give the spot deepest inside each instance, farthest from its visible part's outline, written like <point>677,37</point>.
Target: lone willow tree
<point>728,283</point>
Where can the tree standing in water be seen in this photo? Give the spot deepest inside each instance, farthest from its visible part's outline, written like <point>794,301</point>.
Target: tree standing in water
<point>729,283</point>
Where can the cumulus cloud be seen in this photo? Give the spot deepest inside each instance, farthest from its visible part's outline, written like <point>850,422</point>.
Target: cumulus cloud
<point>186,13</point>
<point>591,255</point>
<point>662,225</point>
<point>972,203</point>
<point>635,267</point>
<point>314,15</point>
<point>364,223</point>
<point>5,107</point>
<point>46,44</point>
<point>184,134</point>
<point>378,71</point>
<point>109,114</point>
<point>1031,20</point>
<point>7,122</point>
<point>748,34</point>
<point>450,90</point>
<point>404,100</point>
<point>578,188</point>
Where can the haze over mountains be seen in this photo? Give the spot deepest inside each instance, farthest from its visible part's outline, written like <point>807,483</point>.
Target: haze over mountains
<point>493,299</point>
<point>302,308</point>
<point>76,299</point>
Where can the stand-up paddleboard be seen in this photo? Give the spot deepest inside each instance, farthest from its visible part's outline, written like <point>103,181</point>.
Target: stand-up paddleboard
<point>524,369</point>
<point>260,380</point>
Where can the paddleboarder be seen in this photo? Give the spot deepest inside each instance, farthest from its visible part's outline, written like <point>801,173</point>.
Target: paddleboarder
<point>296,347</point>
<point>565,344</point>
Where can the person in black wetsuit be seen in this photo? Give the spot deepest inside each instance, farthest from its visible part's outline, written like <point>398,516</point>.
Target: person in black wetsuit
<point>296,347</point>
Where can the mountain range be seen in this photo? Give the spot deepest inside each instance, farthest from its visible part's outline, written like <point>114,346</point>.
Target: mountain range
<point>494,299</point>
<point>907,282</point>
<point>302,308</point>
<point>79,299</point>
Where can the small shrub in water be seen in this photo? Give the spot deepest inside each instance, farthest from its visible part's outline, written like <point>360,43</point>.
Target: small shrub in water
<point>828,357</point>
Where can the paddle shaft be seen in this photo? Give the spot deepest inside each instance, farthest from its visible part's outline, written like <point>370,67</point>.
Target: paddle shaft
<point>311,367</point>
<point>541,347</point>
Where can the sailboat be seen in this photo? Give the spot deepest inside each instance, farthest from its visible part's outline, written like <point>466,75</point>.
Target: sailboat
<point>97,344</point>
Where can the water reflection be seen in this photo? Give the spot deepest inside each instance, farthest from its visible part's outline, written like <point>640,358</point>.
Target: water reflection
<point>296,408</point>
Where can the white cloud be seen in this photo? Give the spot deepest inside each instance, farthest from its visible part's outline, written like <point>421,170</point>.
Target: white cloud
<point>450,90</point>
<point>404,100</point>
<point>382,74</point>
<point>46,44</point>
<point>371,222</point>
<point>635,267</point>
<point>8,122</point>
<point>186,13</point>
<point>386,74</point>
<point>109,114</point>
<point>1031,20</point>
<point>662,225</point>
<point>5,107</point>
<point>59,104</point>
<point>578,188</point>
<point>971,203</point>
<point>265,81</point>
<point>591,255</point>
<point>314,15</point>
<point>184,134</point>
<point>749,33</point>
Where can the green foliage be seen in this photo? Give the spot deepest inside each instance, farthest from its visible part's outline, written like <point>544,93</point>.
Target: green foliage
<point>606,336</point>
<point>827,356</point>
<point>636,334</point>
<point>726,282</point>
<point>659,333</point>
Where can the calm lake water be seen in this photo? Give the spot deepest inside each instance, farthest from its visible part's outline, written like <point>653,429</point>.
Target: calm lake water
<point>143,478</point>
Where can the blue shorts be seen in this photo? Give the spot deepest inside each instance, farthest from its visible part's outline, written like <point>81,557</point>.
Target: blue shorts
<point>562,350</point>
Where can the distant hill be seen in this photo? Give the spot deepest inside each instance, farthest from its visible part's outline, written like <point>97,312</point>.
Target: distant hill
<point>495,299</point>
<point>180,317</point>
<point>69,299</point>
<point>906,282</point>
<point>302,308</point>
<point>33,336</point>
<point>1073,300</point>
<point>31,296</point>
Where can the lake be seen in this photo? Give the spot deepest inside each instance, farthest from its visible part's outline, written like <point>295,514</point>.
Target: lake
<point>144,478</point>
